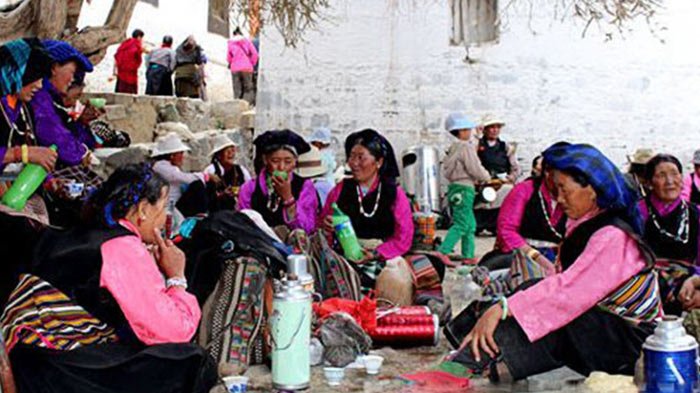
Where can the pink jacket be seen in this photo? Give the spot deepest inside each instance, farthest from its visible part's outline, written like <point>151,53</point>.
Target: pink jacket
<point>241,55</point>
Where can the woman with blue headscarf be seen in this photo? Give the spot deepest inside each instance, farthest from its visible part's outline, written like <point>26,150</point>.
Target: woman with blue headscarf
<point>595,313</point>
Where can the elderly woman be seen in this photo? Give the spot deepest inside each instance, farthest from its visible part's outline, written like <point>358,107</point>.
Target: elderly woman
<point>377,206</point>
<point>531,223</point>
<point>189,59</point>
<point>24,64</point>
<point>605,282</point>
<point>187,189</point>
<point>671,230</point>
<point>282,198</point>
<point>223,165</point>
<point>115,294</point>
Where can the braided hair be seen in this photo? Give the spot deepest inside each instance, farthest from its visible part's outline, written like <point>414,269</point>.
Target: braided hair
<point>125,188</point>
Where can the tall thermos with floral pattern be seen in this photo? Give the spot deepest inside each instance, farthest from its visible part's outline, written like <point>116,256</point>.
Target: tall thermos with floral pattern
<point>290,334</point>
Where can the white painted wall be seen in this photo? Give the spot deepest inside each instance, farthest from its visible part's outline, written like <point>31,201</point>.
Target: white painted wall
<point>387,64</point>
<point>178,18</point>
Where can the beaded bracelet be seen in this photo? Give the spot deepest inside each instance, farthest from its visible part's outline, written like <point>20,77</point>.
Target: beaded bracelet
<point>289,202</point>
<point>504,306</point>
<point>176,282</point>
<point>25,154</point>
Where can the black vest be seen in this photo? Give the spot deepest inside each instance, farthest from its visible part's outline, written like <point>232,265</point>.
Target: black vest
<point>379,226</point>
<point>71,261</point>
<point>694,192</point>
<point>535,224</point>
<point>574,244</point>
<point>259,202</point>
<point>494,158</point>
<point>232,178</point>
<point>666,247</point>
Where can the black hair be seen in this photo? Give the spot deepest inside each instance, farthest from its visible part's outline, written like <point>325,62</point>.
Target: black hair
<point>659,159</point>
<point>534,164</point>
<point>168,40</point>
<point>137,33</point>
<point>124,189</point>
<point>237,31</point>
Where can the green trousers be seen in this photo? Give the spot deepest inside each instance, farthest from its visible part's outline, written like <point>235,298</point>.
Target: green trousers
<point>463,227</point>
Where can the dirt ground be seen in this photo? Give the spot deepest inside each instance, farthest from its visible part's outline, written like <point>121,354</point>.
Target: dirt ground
<point>402,361</point>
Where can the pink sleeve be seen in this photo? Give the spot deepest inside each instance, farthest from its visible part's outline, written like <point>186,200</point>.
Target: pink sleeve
<point>610,258</point>
<point>307,206</point>
<point>400,242</point>
<point>157,315</point>
<point>687,187</point>
<point>511,215</point>
<point>245,195</point>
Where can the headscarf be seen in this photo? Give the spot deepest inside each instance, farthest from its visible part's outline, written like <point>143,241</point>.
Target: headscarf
<point>271,141</point>
<point>63,52</point>
<point>613,192</point>
<point>22,61</point>
<point>378,146</point>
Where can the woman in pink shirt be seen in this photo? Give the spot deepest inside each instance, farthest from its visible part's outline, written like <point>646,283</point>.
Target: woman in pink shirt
<point>530,222</point>
<point>597,311</point>
<point>119,269</point>
<point>378,208</point>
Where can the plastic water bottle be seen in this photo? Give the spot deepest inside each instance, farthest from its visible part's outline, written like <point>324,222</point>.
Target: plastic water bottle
<point>24,186</point>
<point>346,235</point>
<point>464,291</point>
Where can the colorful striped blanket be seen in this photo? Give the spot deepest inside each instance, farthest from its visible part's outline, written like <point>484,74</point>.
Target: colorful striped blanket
<point>39,315</point>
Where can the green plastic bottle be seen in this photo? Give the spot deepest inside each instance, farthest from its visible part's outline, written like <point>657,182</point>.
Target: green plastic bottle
<point>24,186</point>
<point>346,235</point>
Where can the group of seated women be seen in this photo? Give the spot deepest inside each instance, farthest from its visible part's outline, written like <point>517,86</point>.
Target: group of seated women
<point>609,268</point>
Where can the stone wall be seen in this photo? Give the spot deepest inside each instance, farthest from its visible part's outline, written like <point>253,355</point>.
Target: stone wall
<point>197,122</point>
<point>388,65</point>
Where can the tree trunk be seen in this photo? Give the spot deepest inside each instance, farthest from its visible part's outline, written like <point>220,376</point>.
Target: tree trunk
<point>53,18</point>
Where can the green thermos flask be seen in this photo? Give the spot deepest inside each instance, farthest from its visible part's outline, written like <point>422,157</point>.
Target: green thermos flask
<point>24,186</point>
<point>346,235</point>
<point>290,333</point>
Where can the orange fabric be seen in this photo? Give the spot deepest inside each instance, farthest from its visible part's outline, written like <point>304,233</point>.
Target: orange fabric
<point>12,101</point>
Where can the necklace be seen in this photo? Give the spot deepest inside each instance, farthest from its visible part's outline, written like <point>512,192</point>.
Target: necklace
<point>682,233</point>
<point>376,202</point>
<point>546,216</point>
<point>13,127</point>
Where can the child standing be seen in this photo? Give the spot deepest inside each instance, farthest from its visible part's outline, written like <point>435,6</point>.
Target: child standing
<point>463,169</point>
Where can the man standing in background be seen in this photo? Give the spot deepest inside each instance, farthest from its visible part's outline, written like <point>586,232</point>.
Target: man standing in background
<point>161,63</point>
<point>127,61</point>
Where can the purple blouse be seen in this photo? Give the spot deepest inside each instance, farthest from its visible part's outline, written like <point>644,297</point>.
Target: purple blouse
<point>51,130</point>
<point>307,203</point>
<point>12,114</point>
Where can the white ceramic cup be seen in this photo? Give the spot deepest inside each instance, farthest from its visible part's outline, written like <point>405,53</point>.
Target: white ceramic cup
<point>372,363</point>
<point>334,375</point>
<point>236,384</point>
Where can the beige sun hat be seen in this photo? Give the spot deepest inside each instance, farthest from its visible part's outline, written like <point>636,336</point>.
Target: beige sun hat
<point>310,164</point>
<point>641,156</point>
<point>490,119</point>
<point>169,144</point>
<point>221,142</point>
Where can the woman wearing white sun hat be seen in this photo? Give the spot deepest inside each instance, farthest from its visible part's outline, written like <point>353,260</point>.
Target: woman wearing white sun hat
<point>168,156</point>
<point>223,165</point>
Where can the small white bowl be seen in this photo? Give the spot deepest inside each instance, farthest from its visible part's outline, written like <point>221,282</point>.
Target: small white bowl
<point>236,384</point>
<point>373,363</point>
<point>334,375</point>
